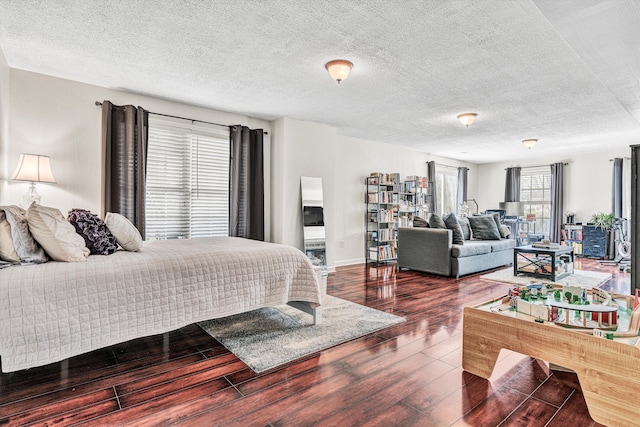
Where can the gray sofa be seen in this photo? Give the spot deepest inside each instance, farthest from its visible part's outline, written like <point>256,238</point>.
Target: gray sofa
<point>431,250</point>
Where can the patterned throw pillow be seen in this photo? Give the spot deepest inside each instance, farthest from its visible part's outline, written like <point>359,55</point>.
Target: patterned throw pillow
<point>96,235</point>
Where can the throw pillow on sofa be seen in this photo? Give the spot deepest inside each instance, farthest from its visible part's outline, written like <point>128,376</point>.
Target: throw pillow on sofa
<point>484,227</point>
<point>435,221</point>
<point>466,227</point>
<point>496,218</point>
<point>452,224</point>
<point>420,222</point>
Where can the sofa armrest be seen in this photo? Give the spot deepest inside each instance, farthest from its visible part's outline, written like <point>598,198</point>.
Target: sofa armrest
<point>425,249</point>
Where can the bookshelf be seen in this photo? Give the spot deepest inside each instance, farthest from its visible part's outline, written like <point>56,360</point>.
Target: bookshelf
<point>391,203</point>
<point>572,236</point>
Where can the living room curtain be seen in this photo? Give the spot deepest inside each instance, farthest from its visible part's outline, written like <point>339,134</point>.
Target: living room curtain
<point>431,176</point>
<point>512,185</point>
<point>557,201</point>
<point>125,138</point>
<point>635,217</point>
<point>461,194</point>
<point>246,186</point>
<point>616,188</point>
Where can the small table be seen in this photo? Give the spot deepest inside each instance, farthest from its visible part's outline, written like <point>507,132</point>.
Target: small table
<point>541,262</point>
<point>606,369</point>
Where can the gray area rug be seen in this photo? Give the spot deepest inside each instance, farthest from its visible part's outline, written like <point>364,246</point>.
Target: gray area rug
<point>583,278</point>
<point>270,337</point>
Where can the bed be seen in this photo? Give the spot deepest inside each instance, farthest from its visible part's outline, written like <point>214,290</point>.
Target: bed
<point>52,311</point>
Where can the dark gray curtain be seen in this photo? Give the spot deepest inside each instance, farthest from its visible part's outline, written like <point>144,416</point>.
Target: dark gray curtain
<point>431,176</point>
<point>557,201</point>
<point>616,188</point>
<point>512,185</point>
<point>635,217</point>
<point>461,195</point>
<point>125,139</point>
<point>246,186</point>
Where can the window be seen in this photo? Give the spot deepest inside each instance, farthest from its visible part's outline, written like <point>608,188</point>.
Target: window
<point>446,189</point>
<point>535,192</point>
<point>187,181</point>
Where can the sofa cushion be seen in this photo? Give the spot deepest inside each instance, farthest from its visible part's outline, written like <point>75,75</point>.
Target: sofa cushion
<point>435,221</point>
<point>420,222</point>
<point>466,227</point>
<point>484,227</point>
<point>501,245</point>
<point>452,224</point>
<point>501,230</point>
<point>470,248</point>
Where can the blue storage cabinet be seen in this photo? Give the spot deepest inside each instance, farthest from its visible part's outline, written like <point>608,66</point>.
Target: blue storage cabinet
<point>594,241</point>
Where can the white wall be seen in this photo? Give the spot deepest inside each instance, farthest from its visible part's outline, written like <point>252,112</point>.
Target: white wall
<point>309,149</point>
<point>587,182</point>
<point>58,117</point>
<point>4,119</point>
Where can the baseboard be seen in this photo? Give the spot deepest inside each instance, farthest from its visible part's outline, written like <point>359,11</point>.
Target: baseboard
<point>347,262</point>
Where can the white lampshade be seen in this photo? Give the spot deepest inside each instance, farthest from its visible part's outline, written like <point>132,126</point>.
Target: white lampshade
<point>33,168</point>
<point>339,69</point>
<point>467,118</point>
<point>529,143</point>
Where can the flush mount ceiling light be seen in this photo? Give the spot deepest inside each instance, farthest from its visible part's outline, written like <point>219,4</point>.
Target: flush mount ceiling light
<point>529,143</point>
<point>339,69</point>
<point>467,118</point>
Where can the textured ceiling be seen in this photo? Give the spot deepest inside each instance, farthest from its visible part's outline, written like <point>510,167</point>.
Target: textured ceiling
<point>566,72</point>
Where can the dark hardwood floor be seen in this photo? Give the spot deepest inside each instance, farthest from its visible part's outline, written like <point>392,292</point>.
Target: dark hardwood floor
<point>406,375</point>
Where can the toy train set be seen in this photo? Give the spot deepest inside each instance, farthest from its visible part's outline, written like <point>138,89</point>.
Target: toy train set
<point>594,310</point>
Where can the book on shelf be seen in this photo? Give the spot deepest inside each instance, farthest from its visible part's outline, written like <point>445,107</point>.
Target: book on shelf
<point>385,178</point>
<point>382,252</point>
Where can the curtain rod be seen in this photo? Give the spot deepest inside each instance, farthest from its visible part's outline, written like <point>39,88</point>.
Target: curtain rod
<point>99,104</point>
<point>628,158</point>
<point>448,166</point>
<point>531,167</point>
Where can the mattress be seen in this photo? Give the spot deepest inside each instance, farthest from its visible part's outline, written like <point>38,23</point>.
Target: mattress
<point>52,311</point>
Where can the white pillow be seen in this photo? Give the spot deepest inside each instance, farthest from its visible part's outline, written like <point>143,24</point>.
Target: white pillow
<point>55,234</point>
<point>7,250</point>
<point>126,234</point>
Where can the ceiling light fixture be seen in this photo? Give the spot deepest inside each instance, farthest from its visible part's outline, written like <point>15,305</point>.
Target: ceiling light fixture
<point>529,143</point>
<point>339,69</point>
<point>467,118</point>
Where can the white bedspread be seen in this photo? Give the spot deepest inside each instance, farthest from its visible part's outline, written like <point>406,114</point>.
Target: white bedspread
<point>53,311</point>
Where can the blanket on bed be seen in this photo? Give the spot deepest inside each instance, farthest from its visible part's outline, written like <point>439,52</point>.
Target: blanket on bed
<point>52,311</point>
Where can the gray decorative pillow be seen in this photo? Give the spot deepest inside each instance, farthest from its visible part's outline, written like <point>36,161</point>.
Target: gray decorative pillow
<point>436,222</point>
<point>452,224</point>
<point>420,222</point>
<point>25,245</point>
<point>484,227</point>
<point>466,228</point>
<point>496,218</point>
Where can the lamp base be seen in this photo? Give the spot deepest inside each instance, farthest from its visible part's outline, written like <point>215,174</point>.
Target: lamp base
<point>31,196</point>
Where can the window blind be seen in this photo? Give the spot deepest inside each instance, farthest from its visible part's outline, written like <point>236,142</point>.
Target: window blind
<point>535,192</point>
<point>187,182</point>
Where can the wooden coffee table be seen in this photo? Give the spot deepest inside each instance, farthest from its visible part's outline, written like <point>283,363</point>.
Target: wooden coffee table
<point>541,262</point>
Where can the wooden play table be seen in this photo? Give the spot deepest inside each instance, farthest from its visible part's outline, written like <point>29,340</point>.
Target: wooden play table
<point>608,370</point>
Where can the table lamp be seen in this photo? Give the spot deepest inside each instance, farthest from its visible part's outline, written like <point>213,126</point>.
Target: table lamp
<point>33,168</point>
